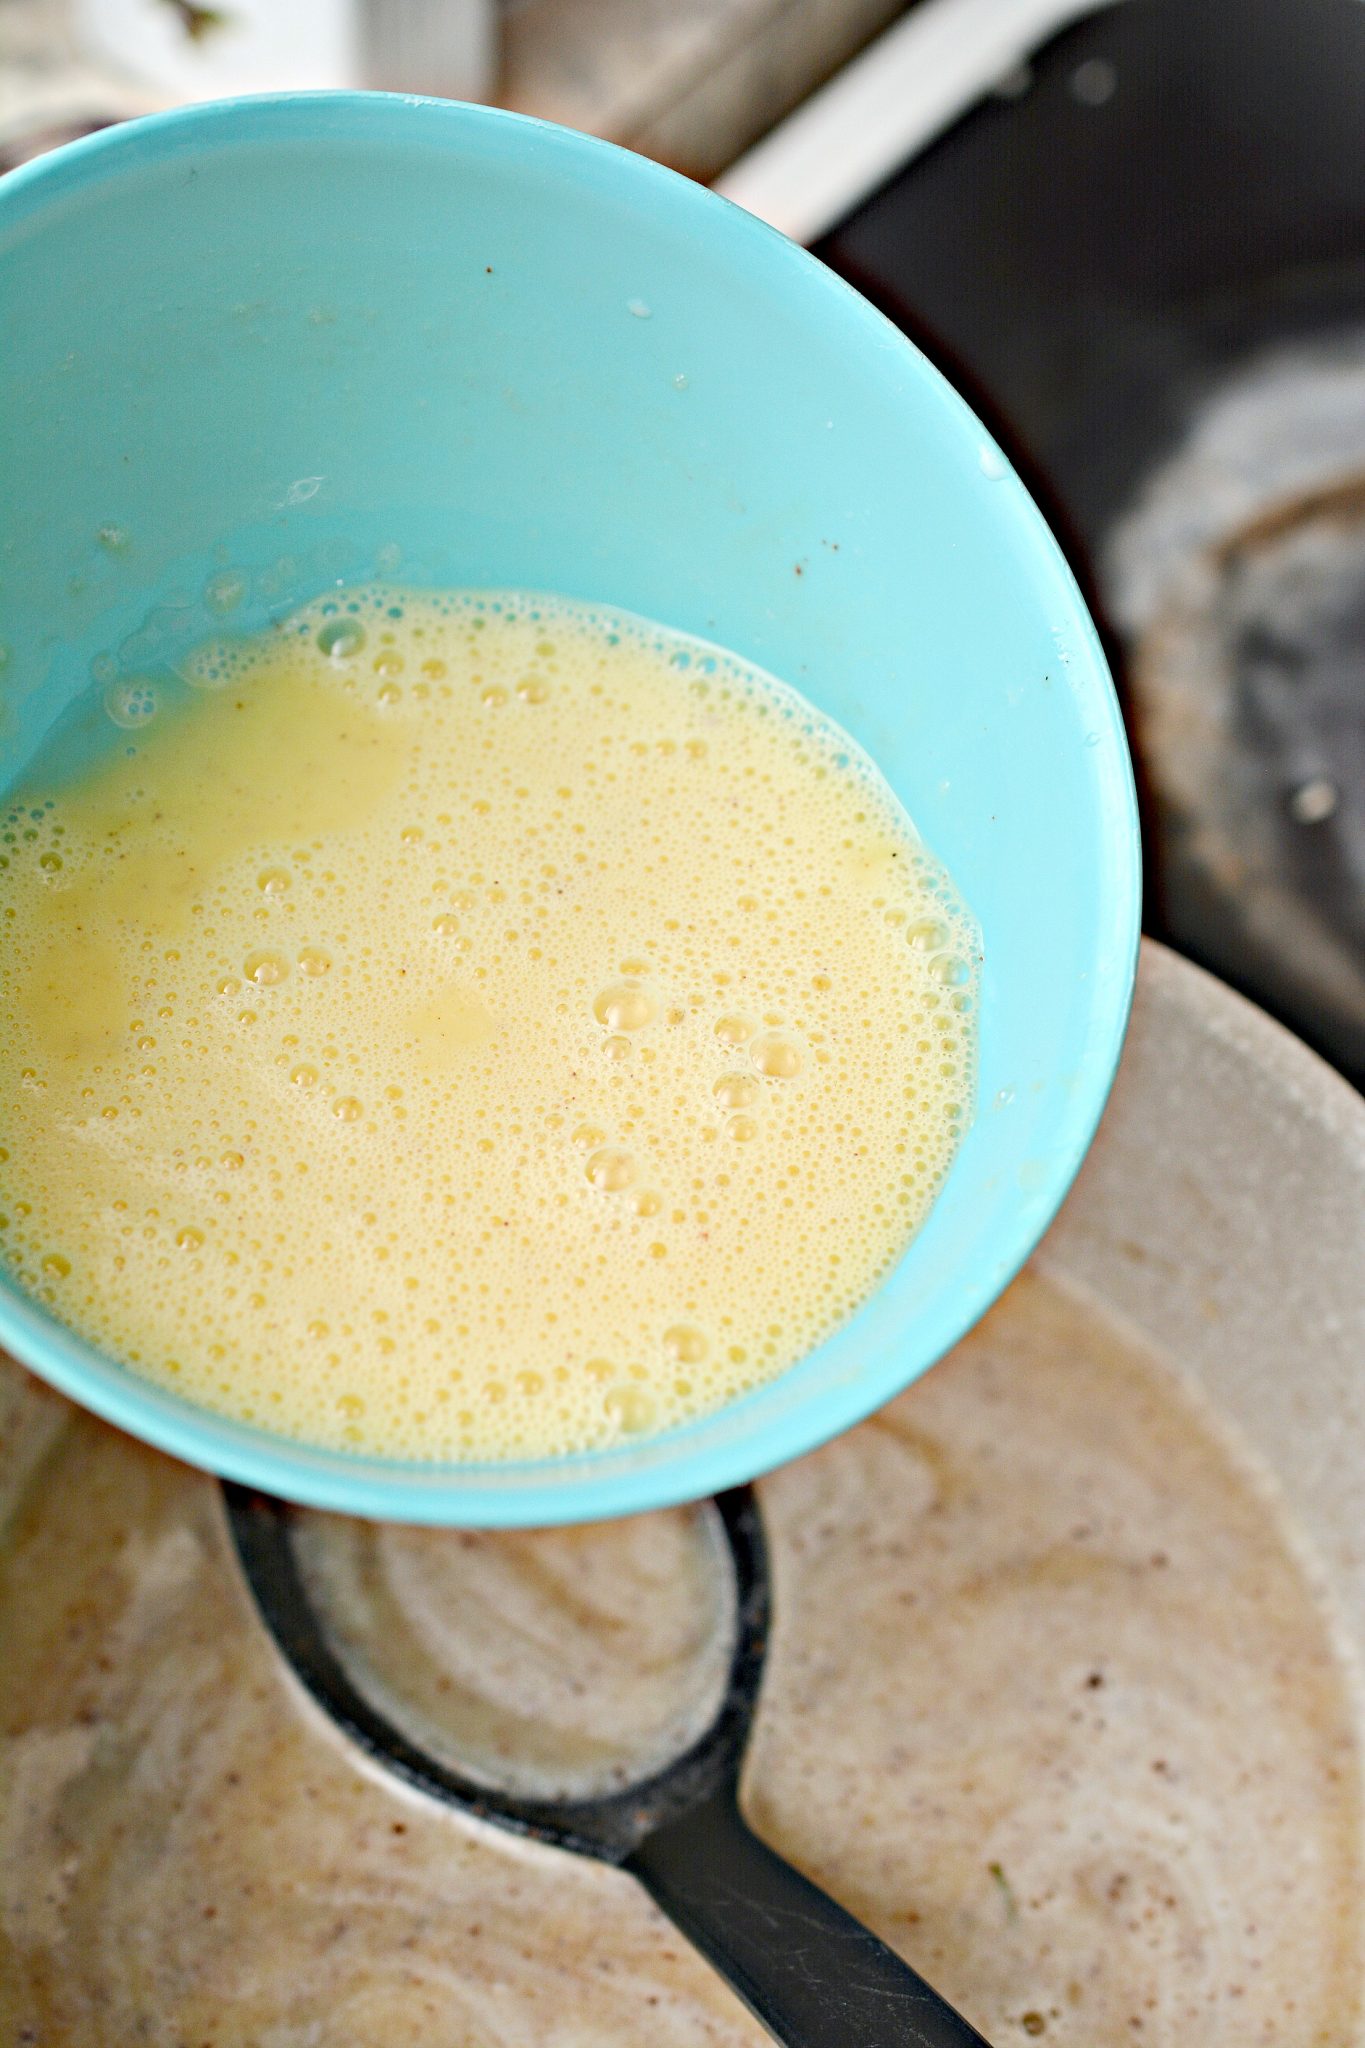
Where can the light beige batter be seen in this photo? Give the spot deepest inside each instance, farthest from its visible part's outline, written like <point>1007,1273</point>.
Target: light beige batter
<point>1051,1703</point>
<point>551,1665</point>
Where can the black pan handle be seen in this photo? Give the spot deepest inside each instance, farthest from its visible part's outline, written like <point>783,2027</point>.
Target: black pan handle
<point>815,1976</point>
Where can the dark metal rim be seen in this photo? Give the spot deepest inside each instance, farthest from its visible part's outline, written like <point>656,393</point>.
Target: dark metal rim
<point>608,1827</point>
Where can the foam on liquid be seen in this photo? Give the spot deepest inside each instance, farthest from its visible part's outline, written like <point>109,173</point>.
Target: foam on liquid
<point>467,1026</point>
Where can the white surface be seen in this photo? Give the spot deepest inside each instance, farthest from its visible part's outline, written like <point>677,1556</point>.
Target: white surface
<point>439,46</point>
<point>259,45</point>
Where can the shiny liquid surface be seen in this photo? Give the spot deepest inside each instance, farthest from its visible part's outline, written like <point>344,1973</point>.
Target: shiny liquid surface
<point>1051,1702</point>
<point>470,1027</point>
<point>552,1665</point>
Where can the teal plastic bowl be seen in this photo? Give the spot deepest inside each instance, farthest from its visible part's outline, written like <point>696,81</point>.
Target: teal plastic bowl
<point>286,341</point>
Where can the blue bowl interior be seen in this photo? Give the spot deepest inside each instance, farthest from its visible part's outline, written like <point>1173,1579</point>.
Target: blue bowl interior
<point>339,335</point>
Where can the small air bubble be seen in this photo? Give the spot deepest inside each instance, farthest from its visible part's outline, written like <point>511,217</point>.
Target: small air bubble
<point>631,1409</point>
<point>625,1007</point>
<point>685,1345</point>
<point>776,1056</point>
<point>131,703</point>
<point>341,640</point>
<point>611,1171</point>
<point>265,969</point>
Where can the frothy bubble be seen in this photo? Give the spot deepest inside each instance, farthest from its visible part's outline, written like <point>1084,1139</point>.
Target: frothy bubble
<point>265,969</point>
<point>341,640</point>
<point>210,666</point>
<point>534,1032</point>
<point>626,1006</point>
<point>132,702</point>
<point>632,1409</point>
<point>776,1056</point>
<point>611,1171</point>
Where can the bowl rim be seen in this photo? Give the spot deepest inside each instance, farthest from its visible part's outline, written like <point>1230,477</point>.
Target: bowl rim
<point>673,1468</point>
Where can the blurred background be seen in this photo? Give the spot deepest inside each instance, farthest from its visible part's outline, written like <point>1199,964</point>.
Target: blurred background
<point>691,82</point>
<point>1133,233</point>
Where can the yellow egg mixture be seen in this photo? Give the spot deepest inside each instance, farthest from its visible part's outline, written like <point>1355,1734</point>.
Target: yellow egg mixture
<point>469,1026</point>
